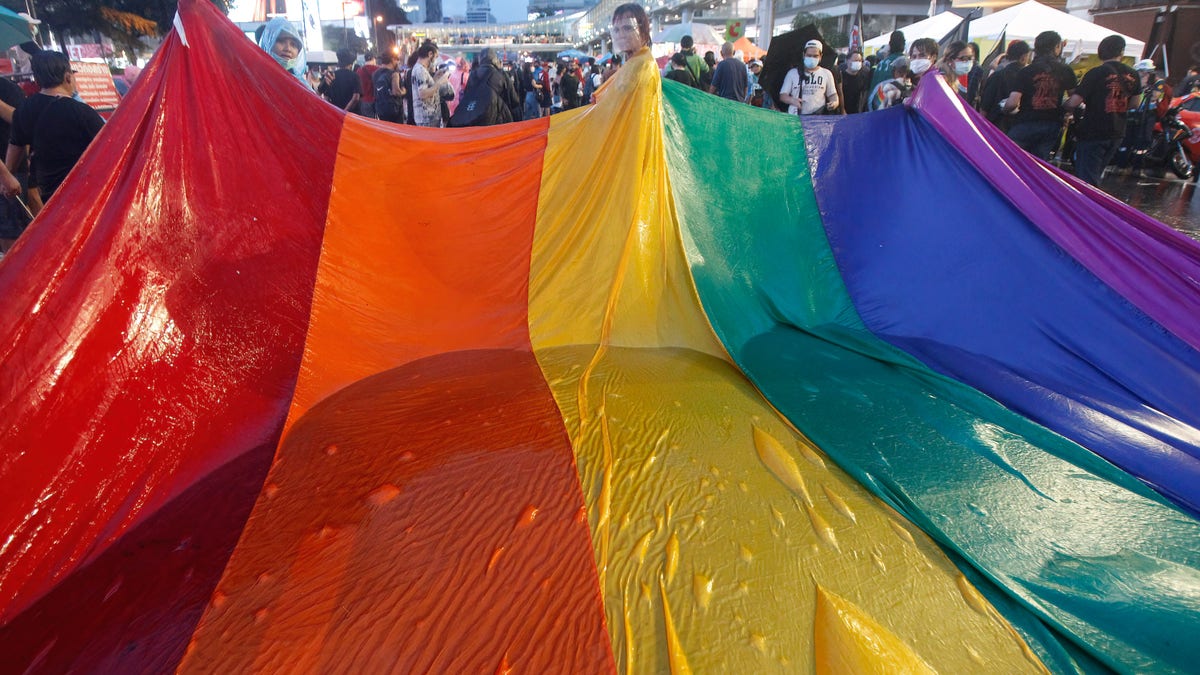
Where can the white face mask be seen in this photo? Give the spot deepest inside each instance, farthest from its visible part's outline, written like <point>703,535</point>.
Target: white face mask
<point>962,67</point>
<point>810,62</point>
<point>854,66</point>
<point>919,66</point>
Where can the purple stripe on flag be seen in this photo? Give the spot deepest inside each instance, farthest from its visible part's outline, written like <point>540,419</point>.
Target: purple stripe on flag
<point>1154,267</point>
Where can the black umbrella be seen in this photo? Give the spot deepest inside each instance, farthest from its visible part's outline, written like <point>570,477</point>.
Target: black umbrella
<point>786,52</point>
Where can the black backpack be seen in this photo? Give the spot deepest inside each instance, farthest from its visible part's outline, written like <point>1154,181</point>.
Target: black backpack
<point>387,104</point>
<point>477,108</point>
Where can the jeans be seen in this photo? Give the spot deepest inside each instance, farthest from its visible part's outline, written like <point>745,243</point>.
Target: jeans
<point>1092,156</point>
<point>532,110</point>
<point>1038,138</point>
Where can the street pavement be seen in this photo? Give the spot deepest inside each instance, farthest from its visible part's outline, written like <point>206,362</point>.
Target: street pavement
<point>1170,200</point>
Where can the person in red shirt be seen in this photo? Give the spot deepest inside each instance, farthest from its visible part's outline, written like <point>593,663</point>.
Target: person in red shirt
<point>366,78</point>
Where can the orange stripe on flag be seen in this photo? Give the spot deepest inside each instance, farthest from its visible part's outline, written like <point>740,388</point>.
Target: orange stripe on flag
<point>423,250</point>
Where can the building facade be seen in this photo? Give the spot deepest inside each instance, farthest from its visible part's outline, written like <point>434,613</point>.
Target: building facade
<point>1171,30</point>
<point>539,8</point>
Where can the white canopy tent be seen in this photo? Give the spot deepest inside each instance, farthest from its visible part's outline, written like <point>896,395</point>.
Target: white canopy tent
<point>1026,20</point>
<point>934,27</point>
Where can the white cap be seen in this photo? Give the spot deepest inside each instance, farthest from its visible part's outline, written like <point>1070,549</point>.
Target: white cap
<point>1144,64</point>
<point>813,43</point>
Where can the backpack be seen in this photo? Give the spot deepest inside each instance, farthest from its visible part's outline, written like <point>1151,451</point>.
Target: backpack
<point>477,106</point>
<point>387,104</point>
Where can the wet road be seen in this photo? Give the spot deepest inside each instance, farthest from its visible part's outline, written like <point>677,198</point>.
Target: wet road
<point>1174,202</point>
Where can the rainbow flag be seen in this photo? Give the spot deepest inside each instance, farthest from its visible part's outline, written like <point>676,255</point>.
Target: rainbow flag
<point>663,383</point>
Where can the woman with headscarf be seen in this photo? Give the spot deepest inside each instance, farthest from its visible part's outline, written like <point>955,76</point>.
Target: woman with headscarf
<point>281,40</point>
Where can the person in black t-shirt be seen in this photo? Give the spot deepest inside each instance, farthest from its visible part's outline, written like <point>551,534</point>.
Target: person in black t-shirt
<point>571,87</point>
<point>343,88</point>
<point>856,78</point>
<point>12,217</point>
<point>1104,92</point>
<point>1002,83</point>
<point>56,127</point>
<point>679,70</point>
<point>1038,97</point>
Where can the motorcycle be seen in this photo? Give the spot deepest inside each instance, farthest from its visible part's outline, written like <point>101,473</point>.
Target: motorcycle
<point>1175,142</point>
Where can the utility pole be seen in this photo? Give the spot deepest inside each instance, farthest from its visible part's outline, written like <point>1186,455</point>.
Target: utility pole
<point>766,22</point>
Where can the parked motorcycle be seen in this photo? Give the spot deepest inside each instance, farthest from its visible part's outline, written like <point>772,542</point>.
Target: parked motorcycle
<point>1187,114</point>
<point>1157,145</point>
<point>1175,144</point>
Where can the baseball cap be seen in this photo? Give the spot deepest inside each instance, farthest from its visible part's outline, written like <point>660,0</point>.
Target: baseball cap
<point>1144,64</point>
<point>814,44</point>
<point>756,62</point>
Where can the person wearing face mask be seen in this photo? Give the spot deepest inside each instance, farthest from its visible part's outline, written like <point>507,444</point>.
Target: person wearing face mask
<point>921,56</point>
<point>956,66</point>
<point>1038,97</point>
<point>282,41</point>
<point>813,92</point>
<point>974,78</point>
<point>856,81</point>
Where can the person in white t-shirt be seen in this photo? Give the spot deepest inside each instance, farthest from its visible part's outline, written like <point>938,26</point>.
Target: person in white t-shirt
<point>813,92</point>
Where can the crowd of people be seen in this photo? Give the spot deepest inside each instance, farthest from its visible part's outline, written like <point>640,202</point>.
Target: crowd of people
<point>424,89</point>
<point>1028,92</point>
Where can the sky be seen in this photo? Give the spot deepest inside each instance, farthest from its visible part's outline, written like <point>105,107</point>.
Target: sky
<point>504,10</point>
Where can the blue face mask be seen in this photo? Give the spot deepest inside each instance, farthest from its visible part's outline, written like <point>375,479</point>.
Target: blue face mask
<point>810,62</point>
